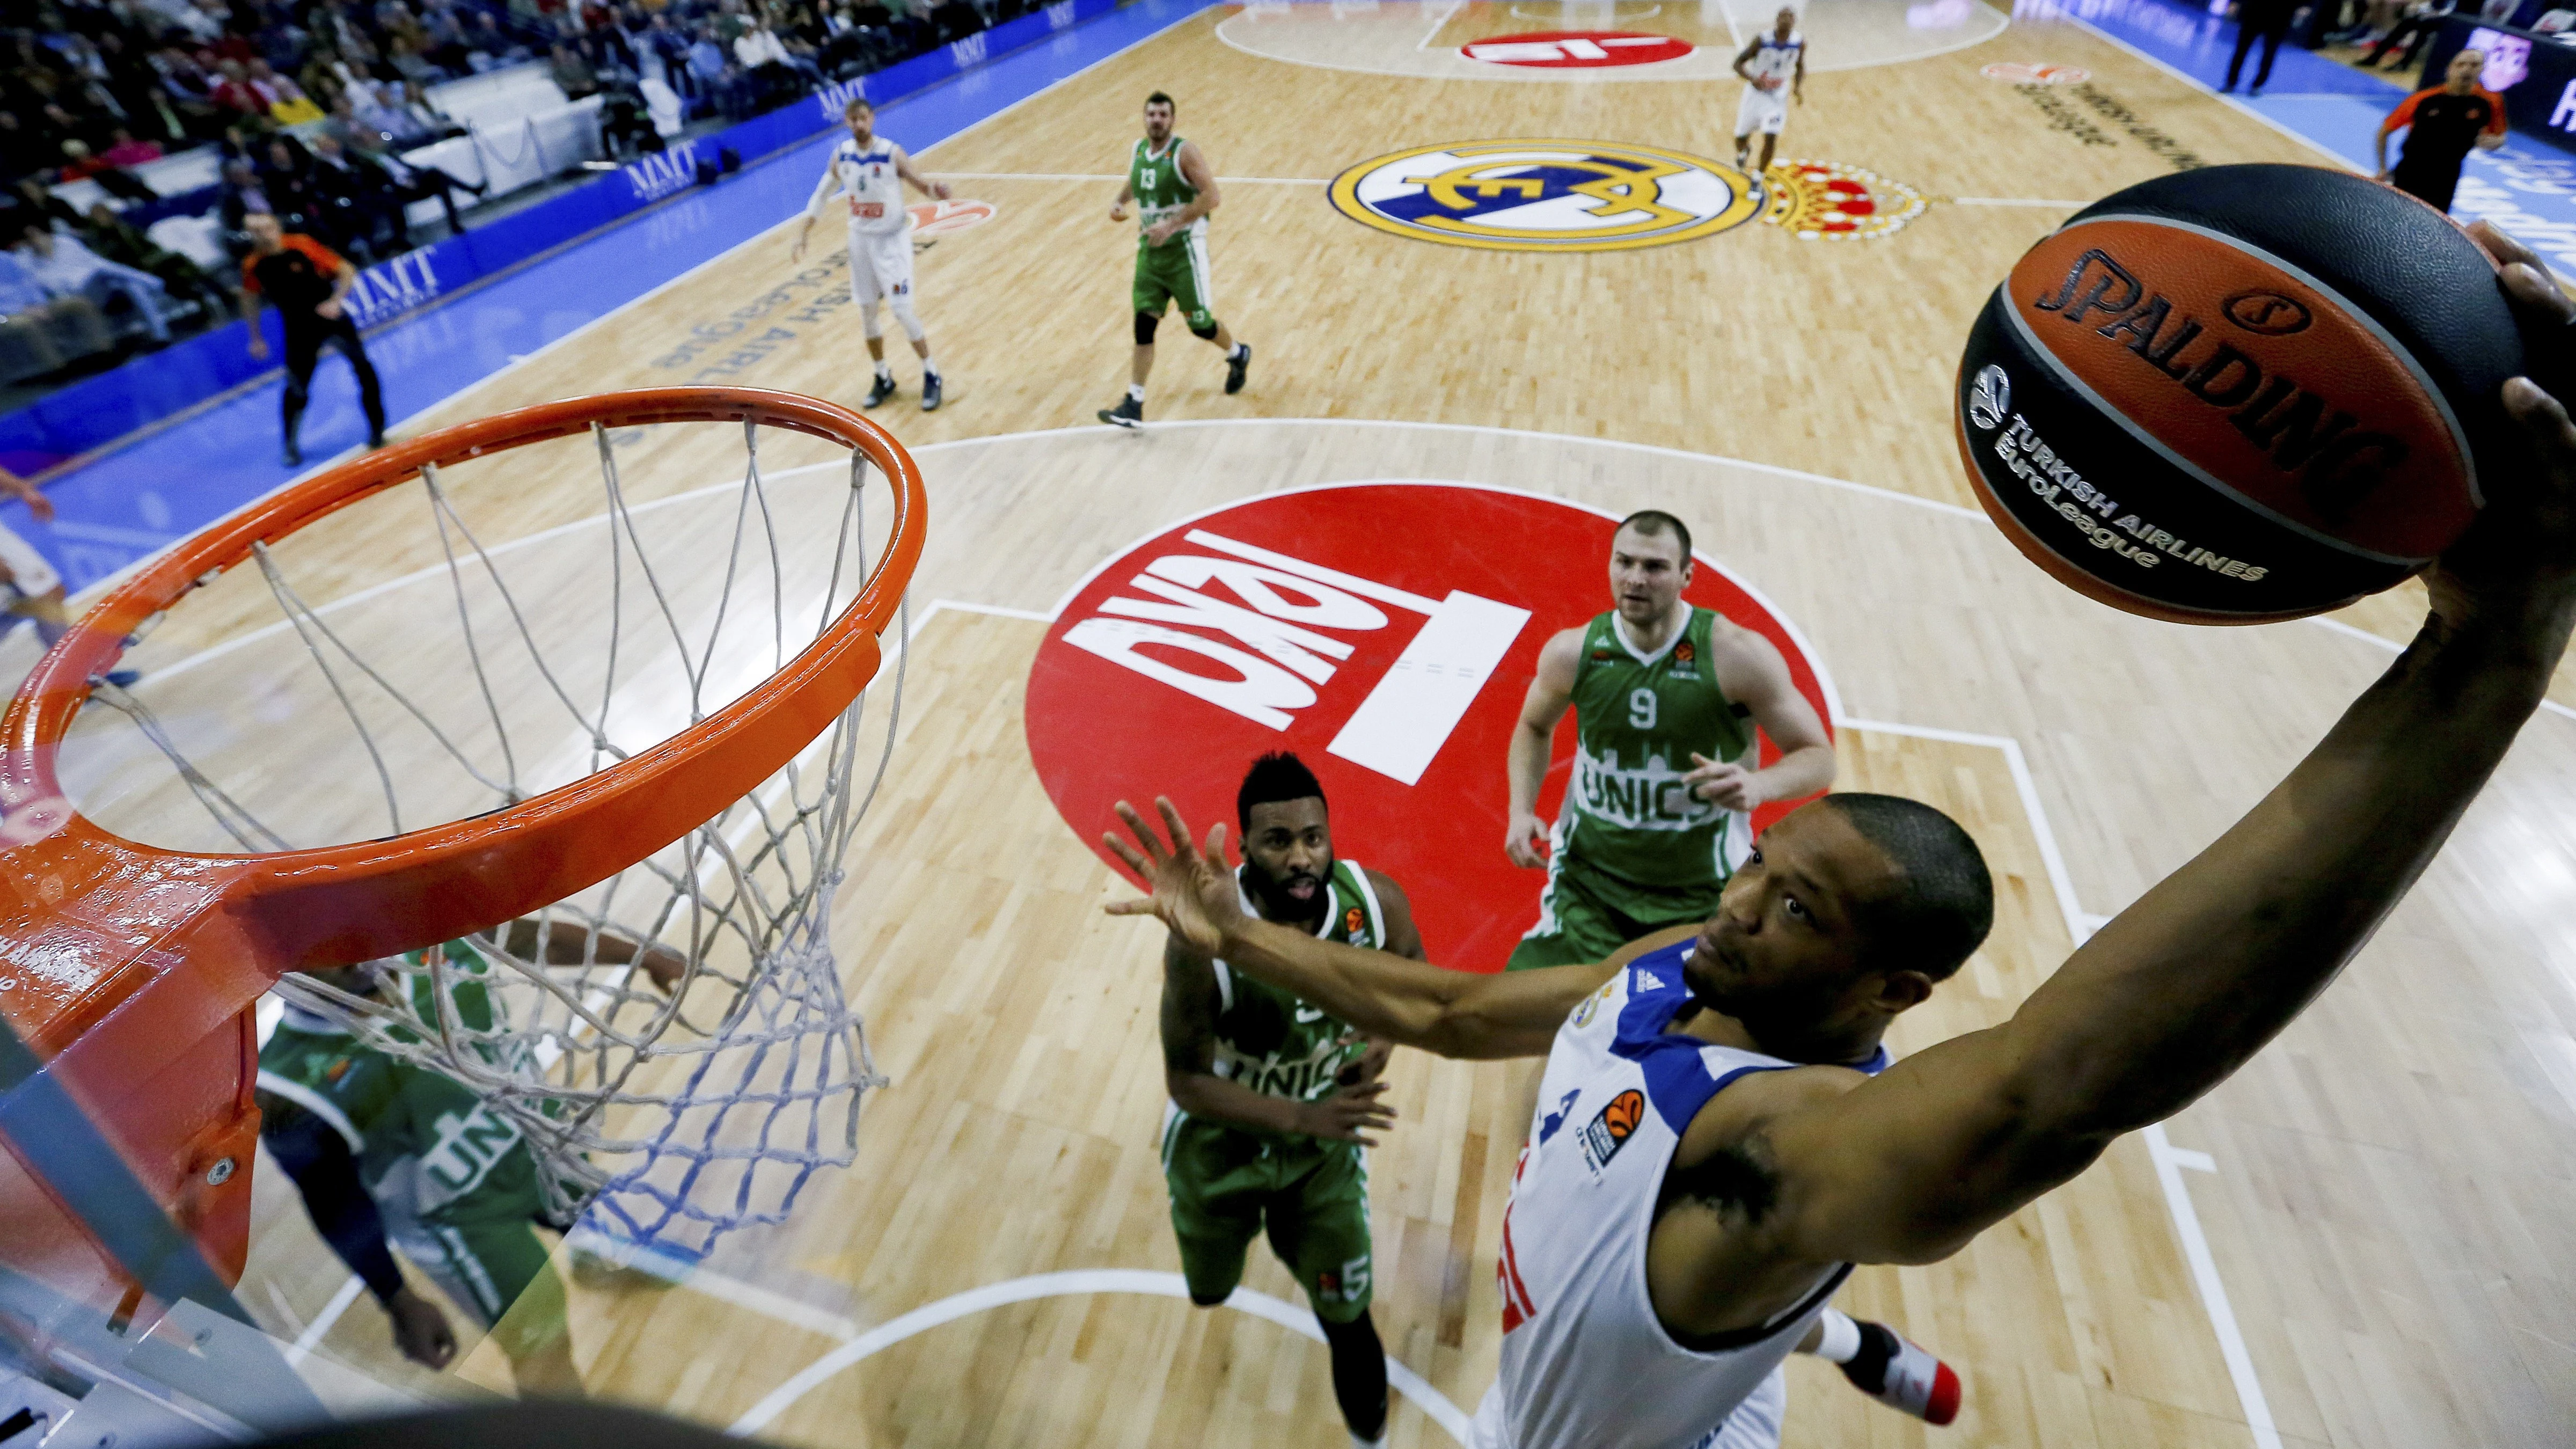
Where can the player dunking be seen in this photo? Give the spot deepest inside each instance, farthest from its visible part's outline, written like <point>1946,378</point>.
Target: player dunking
<point>1174,189</point>
<point>1271,1098</point>
<point>871,171</point>
<point>1770,64</point>
<point>1719,1133</point>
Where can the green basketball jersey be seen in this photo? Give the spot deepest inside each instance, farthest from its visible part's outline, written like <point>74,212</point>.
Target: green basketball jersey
<point>1161,191</point>
<point>429,1150</point>
<point>1271,1040</point>
<point>1637,721</point>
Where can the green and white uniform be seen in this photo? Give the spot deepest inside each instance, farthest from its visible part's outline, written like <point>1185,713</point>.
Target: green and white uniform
<point>1229,1182</point>
<point>452,1177</point>
<point>1634,851</point>
<point>1177,270</point>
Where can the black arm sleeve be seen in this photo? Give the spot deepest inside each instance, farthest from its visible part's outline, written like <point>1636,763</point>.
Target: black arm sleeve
<point>318,1158</point>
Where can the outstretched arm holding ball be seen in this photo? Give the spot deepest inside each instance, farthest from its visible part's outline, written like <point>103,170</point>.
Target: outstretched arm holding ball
<point>1822,1165</point>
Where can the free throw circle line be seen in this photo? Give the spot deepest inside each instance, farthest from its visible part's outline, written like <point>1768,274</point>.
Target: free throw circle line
<point>1065,1285</point>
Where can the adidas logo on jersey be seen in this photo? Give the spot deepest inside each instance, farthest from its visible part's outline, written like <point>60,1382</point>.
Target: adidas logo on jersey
<point>1649,981</point>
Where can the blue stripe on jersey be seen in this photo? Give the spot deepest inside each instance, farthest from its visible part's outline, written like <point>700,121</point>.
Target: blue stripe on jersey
<point>1678,1080</point>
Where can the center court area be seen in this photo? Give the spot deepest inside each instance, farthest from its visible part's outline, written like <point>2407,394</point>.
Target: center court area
<point>2361,1240</point>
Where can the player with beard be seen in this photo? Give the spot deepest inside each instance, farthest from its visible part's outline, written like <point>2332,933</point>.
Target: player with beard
<point>1272,1099</point>
<point>1720,1134</point>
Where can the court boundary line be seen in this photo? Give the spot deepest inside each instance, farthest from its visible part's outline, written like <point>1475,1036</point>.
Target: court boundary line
<point>2196,83</point>
<point>1435,1405</point>
<point>1735,36</point>
<point>2167,1159</point>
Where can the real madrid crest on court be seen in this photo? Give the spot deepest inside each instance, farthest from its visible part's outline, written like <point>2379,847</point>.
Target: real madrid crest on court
<point>1580,196</point>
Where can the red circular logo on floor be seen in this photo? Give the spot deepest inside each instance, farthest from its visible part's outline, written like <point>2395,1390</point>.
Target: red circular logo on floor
<point>1572,49</point>
<point>1386,632</point>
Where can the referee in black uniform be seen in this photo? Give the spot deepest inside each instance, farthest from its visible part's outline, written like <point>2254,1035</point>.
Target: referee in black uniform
<point>308,284</point>
<point>2442,124</point>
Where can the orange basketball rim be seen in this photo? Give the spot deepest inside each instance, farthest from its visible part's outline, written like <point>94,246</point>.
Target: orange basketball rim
<point>132,970</point>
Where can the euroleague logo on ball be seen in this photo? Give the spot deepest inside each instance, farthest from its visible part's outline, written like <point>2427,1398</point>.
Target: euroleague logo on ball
<point>1991,403</point>
<point>1386,633</point>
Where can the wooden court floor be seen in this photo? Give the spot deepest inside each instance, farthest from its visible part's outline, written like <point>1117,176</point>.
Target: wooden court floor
<point>2384,1200</point>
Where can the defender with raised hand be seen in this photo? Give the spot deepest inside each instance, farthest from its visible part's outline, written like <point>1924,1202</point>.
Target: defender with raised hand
<point>1719,1134</point>
<point>1272,1098</point>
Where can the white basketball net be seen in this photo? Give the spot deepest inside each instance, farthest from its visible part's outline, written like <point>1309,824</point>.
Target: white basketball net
<point>487,676</point>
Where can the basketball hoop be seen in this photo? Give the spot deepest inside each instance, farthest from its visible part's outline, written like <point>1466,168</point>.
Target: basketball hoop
<point>673,798</point>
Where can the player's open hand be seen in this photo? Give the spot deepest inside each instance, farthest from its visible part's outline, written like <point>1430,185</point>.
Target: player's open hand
<point>39,507</point>
<point>1372,1063</point>
<point>796,250</point>
<point>1193,893</point>
<point>1348,1113</point>
<point>1525,840</point>
<point>2521,553</point>
<point>941,190</point>
<point>1728,787</point>
<point>421,1331</point>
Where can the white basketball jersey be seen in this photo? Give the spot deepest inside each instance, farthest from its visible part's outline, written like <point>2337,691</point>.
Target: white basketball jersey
<point>1586,1364</point>
<point>1777,59</point>
<point>869,182</point>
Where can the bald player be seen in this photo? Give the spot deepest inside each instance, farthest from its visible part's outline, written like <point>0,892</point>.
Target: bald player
<point>1720,1134</point>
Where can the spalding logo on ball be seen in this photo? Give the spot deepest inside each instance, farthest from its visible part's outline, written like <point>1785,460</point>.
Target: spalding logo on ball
<point>2239,394</point>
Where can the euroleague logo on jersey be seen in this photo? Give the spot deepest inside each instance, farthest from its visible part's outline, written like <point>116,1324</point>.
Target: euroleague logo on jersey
<point>1395,671</point>
<point>1576,49</point>
<point>1612,1127</point>
<point>1579,196</point>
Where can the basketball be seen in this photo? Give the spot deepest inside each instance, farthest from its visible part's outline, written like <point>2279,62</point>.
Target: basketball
<point>2239,393</point>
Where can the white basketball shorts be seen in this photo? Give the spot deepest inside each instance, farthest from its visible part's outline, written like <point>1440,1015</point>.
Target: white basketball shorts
<point>1761,110</point>
<point>29,575</point>
<point>880,264</point>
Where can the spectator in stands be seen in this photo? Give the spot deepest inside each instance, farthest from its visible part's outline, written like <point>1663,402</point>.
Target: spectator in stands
<point>2422,19</point>
<point>416,183</point>
<point>79,164</point>
<point>711,70</point>
<point>39,333</point>
<point>65,268</point>
<point>127,152</point>
<point>405,61</point>
<point>243,197</point>
<point>489,46</point>
<point>359,199</point>
<point>572,74</point>
<point>38,204</point>
<point>118,240</point>
<point>294,194</point>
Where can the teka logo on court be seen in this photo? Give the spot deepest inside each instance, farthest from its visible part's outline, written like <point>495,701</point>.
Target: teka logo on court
<point>389,289</point>
<point>665,173</point>
<point>1538,196</point>
<point>1385,632</point>
<point>940,218</point>
<point>1576,49</point>
<point>2036,73</point>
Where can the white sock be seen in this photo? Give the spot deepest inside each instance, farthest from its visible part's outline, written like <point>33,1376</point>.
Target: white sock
<point>928,367</point>
<point>885,369</point>
<point>1359,1443</point>
<point>1841,1339</point>
<point>1240,349</point>
<point>1135,392</point>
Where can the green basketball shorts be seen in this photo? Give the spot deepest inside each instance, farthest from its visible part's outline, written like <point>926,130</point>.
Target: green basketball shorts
<point>1585,914</point>
<point>1229,1185</point>
<point>496,1270</point>
<point>1177,272</point>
